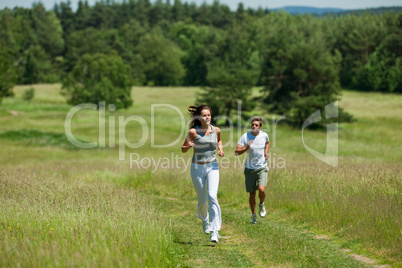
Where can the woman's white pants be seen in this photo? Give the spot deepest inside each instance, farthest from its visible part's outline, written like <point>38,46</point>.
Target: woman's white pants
<point>205,178</point>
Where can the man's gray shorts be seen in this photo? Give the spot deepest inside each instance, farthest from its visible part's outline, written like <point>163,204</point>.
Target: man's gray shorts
<point>255,177</point>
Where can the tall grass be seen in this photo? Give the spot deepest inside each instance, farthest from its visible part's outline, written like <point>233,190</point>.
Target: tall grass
<point>358,203</point>
<point>56,218</point>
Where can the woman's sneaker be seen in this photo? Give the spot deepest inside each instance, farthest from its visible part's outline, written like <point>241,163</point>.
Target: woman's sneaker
<point>205,226</point>
<point>263,212</point>
<point>254,219</point>
<point>215,236</point>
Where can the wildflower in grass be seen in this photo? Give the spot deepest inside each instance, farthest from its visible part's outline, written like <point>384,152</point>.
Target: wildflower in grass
<point>19,227</point>
<point>115,242</point>
<point>51,229</point>
<point>12,237</point>
<point>121,248</point>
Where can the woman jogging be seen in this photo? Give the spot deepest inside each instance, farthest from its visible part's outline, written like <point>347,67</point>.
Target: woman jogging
<point>204,138</point>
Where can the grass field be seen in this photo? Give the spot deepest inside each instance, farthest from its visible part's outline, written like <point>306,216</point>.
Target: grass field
<point>66,206</point>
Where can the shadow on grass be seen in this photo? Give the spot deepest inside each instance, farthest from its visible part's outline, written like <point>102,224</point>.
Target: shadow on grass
<point>210,245</point>
<point>183,242</point>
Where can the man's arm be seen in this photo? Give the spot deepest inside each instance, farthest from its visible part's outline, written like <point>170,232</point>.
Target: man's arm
<point>241,149</point>
<point>266,150</point>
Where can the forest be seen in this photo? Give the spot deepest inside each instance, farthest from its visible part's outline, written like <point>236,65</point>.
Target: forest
<point>295,59</point>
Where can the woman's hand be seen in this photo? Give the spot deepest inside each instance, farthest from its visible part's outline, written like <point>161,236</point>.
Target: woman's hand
<point>221,153</point>
<point>190,144</point>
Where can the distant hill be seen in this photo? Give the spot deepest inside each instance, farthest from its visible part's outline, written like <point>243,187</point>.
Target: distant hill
<point>309,10</point>
<point>377,10</point>
<point>322,11</point>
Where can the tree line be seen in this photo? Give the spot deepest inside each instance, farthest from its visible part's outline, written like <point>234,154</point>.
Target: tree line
<point>300,61</point>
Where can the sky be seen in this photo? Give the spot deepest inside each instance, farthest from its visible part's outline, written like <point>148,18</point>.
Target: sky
<point>270,4</point>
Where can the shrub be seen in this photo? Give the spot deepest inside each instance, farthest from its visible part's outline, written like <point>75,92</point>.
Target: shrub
<point>28,94</point>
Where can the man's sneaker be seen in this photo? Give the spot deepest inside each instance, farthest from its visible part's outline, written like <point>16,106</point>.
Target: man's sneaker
<point>205,226</point>
<point>215,236</point>
<point>263,212</point>
<point>254,219</point>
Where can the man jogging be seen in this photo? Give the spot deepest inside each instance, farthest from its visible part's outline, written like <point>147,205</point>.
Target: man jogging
<point>256,144</point>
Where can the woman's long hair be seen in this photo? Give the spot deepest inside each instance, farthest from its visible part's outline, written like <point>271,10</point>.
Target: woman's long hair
<point>195,112</point>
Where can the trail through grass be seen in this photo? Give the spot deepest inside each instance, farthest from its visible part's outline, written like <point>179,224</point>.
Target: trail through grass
<point>270,243</point>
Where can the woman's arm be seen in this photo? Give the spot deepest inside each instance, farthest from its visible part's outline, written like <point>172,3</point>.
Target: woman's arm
<point>220,147</point>
<point>188,142</point>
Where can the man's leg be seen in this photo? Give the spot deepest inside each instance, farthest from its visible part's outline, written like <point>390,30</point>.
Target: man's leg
<point>251,181</point>
<point>261,193</point>
<point>252,206</point>
<point>251,201</point>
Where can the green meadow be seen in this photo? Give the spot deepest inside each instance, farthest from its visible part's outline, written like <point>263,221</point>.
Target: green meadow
<point>134,205</point>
